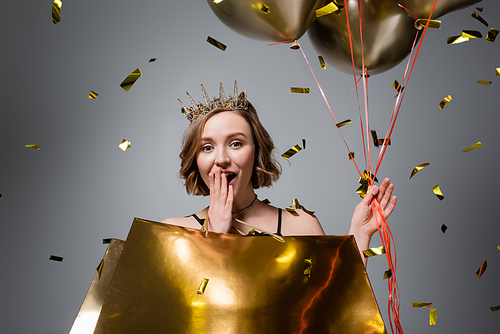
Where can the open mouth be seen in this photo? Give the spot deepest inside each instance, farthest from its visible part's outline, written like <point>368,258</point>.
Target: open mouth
<point>230,177</point>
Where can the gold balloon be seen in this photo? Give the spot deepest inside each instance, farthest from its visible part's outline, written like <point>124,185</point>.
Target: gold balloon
<point>422,8</point>
<point>388,34</point>
<point>271,20</point>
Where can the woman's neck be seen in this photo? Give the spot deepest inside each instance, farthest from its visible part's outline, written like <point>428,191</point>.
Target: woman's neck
<point>243,201</point>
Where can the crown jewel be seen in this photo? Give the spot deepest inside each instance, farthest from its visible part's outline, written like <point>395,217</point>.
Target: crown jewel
<point>236,101</point>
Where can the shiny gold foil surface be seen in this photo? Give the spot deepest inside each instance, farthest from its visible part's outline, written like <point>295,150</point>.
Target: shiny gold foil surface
<point>300,90</point>
<point>432,23</point>
<point>433,314</point>
<point>36,147</point>
<point>497,71</point>
<point>482,269</point>
<point>93,95</point>
<point>473,147</point>
<point>418,304</point>
<point>216,43</point>
<point>437,191</point>
<point>56,11</point>
<point>374,251</point>
<point>130,80</point>
<point>479,18</point>
<point>291,152</point>
<point>329,9</point>
<point>456,39</point>
<point>351,155</point>
<point>341,124</point>
<point>322,62</point>
<point>257,285</point>
<point>444,102</point>
<point>492,35</point>
<point>494,308</point>
<point>418,169</point>
<point>124,145</point>
<point>484,82</point>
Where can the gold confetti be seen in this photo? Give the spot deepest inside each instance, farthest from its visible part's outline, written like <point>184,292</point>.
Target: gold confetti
<point>479,18</point>
<point>322,62</point>
<point>444,102</point>
<point>387,274</point>
<point>217,1</point>
<point>203,286</point>
<point>437,192</point>
<point>374,137</point>
<point>351,155</point>
<point>99,268</point>
<point>56,258</point>
<point>131,79</point>
<point>332,7</point>
<point>480,9</point>
<point>93,95</point>
<point>36,147</point>
<point>308,267</point>
<point>444,228</point>
<point>297,205</point>
<point>482,269</point>
<point>498,247</point>
<point>291,152</point>
<point>397,86</point>
<point>291,210</point>
<point>484,82</point>
<point>124,145</point>
<point>216,43</point>
<point>435,24</point>
<point>265,9</point>
<point>56,11</point>
<point>152,60</point>
<point>492,35</point>
<point>300,90</point>
<point>456,39</point>
<point>416,304</point>
<point>418,169</point>
<point>304,143</point>
<point>374,251</point>
<point>341,124</point>
<point>295,46</point>
<point>381,142</point>
<point>473,147</point>
<point>433,314</point>
<point>494,308</point>
<point>471,34</point>
<point>106,241</point>
<point>497,71</point>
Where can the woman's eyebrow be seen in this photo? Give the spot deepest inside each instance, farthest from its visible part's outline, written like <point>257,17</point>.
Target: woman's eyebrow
<point>230,136</point>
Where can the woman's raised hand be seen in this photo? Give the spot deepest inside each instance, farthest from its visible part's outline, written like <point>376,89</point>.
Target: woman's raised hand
<point>221,202</point>
<point>364,220</point>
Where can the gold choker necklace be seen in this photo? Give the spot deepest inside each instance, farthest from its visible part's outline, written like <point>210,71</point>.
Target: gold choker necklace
<point>245,209</point>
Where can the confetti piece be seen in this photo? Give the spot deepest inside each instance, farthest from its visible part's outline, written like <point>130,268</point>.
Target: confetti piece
<point>482,269</point>
<point>497,71</point>
<point>216,43</point>
<point>484,82</point>
<point>471,34</point>
<point>444,102</point>
<point>291,210</point>
<point>266,201</point>
<point>418,169</point>
<point>265,9</point>
<point>374,137</point>
<point>381,142</point>
<point>152,60</point>
<point>456,39</point>
<point>341,124</point>
<point>322,62</point>
<point>492,35</point>
<point>56,11</point>
<point>93,95</point>
<point>438,192</point>
<point>374,251</point>
<point>416,304</point>
<point>131,79</point>
<point>295,46</point>
<point>36,147</point>
<point>494,308</point>
<point>217,1</point>
<point>473,147</point>
<point>435,24</point>
<point>203,286</point>
<point>387,274</point>
<point>308,267</point>
<point>479,18</point>
<point>480,9</point>
<point>56,258</point>
<point>99,268</point>
<point>291,152</point>
<point>304,143</point>
<point>329,9</point>
<point>433,314</point>
<point>296,204</point>
<point>444,228</point>
<point>397,86</point>
<point>351,155</point>
<point>300,90</point>
<point>498,247</point>
<point>124,145</point>
<point>106,241</point>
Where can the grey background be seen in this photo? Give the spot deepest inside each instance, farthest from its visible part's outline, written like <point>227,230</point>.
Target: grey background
<point>80,187</point>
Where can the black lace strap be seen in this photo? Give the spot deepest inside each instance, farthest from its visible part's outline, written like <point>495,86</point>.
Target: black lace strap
<point>278,232</point>
<point>198,219</point>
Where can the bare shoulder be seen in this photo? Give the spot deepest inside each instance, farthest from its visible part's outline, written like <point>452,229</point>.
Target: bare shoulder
<point>188,221</point>
<point>301,225</point>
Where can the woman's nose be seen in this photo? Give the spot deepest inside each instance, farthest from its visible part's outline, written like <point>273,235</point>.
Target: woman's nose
<point>222,159</point>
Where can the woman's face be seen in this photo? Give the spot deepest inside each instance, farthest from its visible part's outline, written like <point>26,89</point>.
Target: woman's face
<point>227,144</point>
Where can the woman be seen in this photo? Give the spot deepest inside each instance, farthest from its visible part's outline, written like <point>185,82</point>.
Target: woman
<point>227,154</point>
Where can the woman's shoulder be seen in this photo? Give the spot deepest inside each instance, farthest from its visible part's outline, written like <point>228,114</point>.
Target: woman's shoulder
<point>301,224</point>
<point>187,221</point>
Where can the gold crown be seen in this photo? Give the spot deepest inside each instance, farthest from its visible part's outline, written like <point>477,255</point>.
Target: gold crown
<point>237,101</point>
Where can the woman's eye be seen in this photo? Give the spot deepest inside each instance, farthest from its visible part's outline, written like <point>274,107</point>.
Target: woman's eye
<point>206,148</point>
<point>236,144</point>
